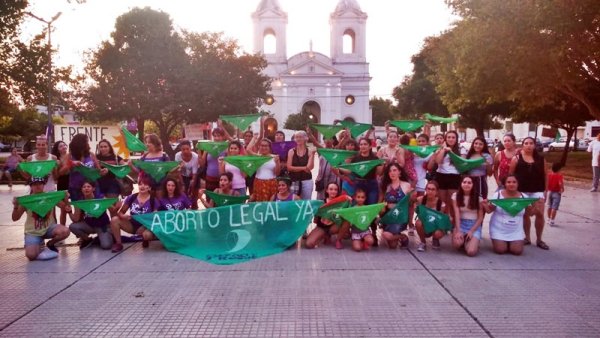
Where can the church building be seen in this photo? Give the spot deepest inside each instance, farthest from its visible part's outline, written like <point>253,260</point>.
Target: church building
<point>334,87</point>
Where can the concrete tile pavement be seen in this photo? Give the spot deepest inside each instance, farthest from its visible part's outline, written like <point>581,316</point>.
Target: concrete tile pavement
<point>322,292</point>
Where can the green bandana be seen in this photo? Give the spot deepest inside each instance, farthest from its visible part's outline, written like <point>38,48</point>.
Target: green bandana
<point>95,207</point>
<point>421,151</point>
<point>433,220</point>
<point>222,200</point>
<point>408,125</point>
<point>232,234</point>
<point>42,203</point>
<point>248,164</point>
<point>464,165</point>
<point>362,168</point>
<point>440,119</point>
<point>213,148</point>
<point>335,157</point>
<point>356,128</point>
<point>399,214</point>
<point>38,168</point>
<point>328,210</point>
<point>242,122</point>
<point>513,206</point>
<point>132,142</point>
<point>157,170</point>
<point>361,217</point>
<point>119,171</point>
<point>328,130</point>
<point>92,174</point>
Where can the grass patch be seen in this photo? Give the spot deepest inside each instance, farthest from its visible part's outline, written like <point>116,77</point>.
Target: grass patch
<point>578,166</point>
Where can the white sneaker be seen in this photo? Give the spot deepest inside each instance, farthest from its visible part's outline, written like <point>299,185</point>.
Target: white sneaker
<point>551,222</point>
<point>422,247</point>
<point>47,254</point>
<point>593,190</point>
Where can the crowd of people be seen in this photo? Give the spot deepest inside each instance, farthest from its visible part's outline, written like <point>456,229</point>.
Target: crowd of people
<point>431,181</point>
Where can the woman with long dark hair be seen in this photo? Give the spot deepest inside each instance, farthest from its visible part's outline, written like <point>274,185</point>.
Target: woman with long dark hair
<point>79,155</point>
<point>394,186</point>
<point>503,158</point>
<point>479,175</point>
<point>447,175</point>
<point>468,217</point>
<point>368,183</point>
<point>108,184</point>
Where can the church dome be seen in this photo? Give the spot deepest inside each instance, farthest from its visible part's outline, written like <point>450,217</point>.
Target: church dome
<point>272,5</point>
<point>347,5</point>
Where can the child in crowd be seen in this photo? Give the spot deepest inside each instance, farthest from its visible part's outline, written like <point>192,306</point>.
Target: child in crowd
<point>361,240</point>
<point>555,188</point>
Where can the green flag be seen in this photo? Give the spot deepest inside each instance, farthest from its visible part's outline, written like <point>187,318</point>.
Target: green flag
<point>42,203</point>
<point>440,119</point>
<point>157,170</point>
<point>232,234</point>
<point>248,164</point>
<point>328,130</point>
<point>421,151</point>
<point>399,214</point>
<point>242,122</point>
<point>222,200</point>
<point>464,165</point>
<point>95,207</point>
<point>92,174</point>
<point>213,148</point>
<point>335,157</point>
<point>328,210</point>
<point>119,171</point>
<point>513,206</point>
<point>132,142</point>
<point>362,168</point>
<point>38,168</point>
<point>433,220</point>
<point>557,137</point>
<point>356,128</point>
<point>361,217</point>
<point>408,125</point>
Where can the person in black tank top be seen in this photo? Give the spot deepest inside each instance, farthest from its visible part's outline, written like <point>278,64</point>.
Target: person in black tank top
<point>300,163</point>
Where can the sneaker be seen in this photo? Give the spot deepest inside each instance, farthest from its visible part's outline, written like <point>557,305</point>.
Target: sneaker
<point>593,190</point>
<point>47,254</point>
<point>339,245</point>
<point>435,244</point>
<point>117,247</point>
<point>85,243</point>
<point>422,247</point>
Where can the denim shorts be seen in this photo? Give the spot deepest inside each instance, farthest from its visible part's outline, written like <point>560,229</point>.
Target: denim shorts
<point>395,229</point>
<point>467,224</point>
<point>554,200</point>
<point>39,240</point>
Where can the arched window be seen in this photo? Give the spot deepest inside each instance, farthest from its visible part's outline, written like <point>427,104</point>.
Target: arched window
<point>348,45</point>
<point>269,42</point>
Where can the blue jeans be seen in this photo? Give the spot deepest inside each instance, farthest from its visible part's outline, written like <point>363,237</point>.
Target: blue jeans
<point>596,171</point>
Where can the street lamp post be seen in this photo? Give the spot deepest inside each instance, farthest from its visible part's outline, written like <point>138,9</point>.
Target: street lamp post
<point>49,108</point>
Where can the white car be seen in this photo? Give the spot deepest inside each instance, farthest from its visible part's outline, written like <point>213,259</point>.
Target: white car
<point>562,142</point>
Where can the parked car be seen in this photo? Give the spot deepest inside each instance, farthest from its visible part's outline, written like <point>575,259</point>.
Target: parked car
<point>562,142</point>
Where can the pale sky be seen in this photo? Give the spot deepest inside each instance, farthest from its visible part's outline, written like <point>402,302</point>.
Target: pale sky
<point>395,28</point>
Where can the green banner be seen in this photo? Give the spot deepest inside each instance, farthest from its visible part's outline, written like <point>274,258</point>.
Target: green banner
<point>248,164</point>
<point>38,168</point>
<point>399,214</point>
<point>439,119</point>
<point>232,234</point>
<point>132,142</point>
<point>328,210</point>
<point>95,207</point>
<point>223,200</point>
<point>92,174</point>
<point>361,217</point>
<point>408,125</point>
<point>42,203</point>
<point>362,168</point>
<point>421,151</point>
<point>336,157</point>
<point>433,220</point>
<point>513,206</point>
<point>242,122</point>
<point>464,165</point>
<point>213,148</point>
<point>356,129</point>
<point>328,130</point>
<point>157,170</point>
<point>119,171</point>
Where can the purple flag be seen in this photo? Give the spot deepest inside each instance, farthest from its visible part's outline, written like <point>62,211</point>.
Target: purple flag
<point>282,148</point>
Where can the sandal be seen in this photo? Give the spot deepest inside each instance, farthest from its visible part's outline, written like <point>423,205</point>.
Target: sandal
<point>543,245</point>
<point>526,241</point>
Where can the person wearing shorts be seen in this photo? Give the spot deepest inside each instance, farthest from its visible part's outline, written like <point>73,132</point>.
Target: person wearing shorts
<point>554,193</point>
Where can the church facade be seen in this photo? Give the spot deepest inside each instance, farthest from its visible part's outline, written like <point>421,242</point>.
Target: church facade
<point>334,87</point>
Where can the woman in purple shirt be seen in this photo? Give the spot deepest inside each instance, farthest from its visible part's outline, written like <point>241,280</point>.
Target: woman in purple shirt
<point>171,197</point>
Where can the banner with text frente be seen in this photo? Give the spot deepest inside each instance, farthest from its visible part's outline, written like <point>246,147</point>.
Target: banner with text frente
<point>65,133</point>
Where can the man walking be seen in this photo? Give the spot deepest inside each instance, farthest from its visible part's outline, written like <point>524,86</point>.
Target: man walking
<point>594,148</point>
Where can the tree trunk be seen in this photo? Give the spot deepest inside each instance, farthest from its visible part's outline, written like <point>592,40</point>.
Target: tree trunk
<point>140,126</point>
<point>479,131</point>
<point>563,159</point>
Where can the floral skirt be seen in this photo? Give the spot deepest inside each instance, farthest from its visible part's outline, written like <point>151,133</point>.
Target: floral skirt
<point>264,189</point>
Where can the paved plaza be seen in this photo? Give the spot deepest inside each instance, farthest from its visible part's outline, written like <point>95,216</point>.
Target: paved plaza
<point>301,293</point>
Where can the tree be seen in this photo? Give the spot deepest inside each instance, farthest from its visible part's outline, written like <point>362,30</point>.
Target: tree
<point>297,121</point>
<point>522,51</point>
<point>383,110</point>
